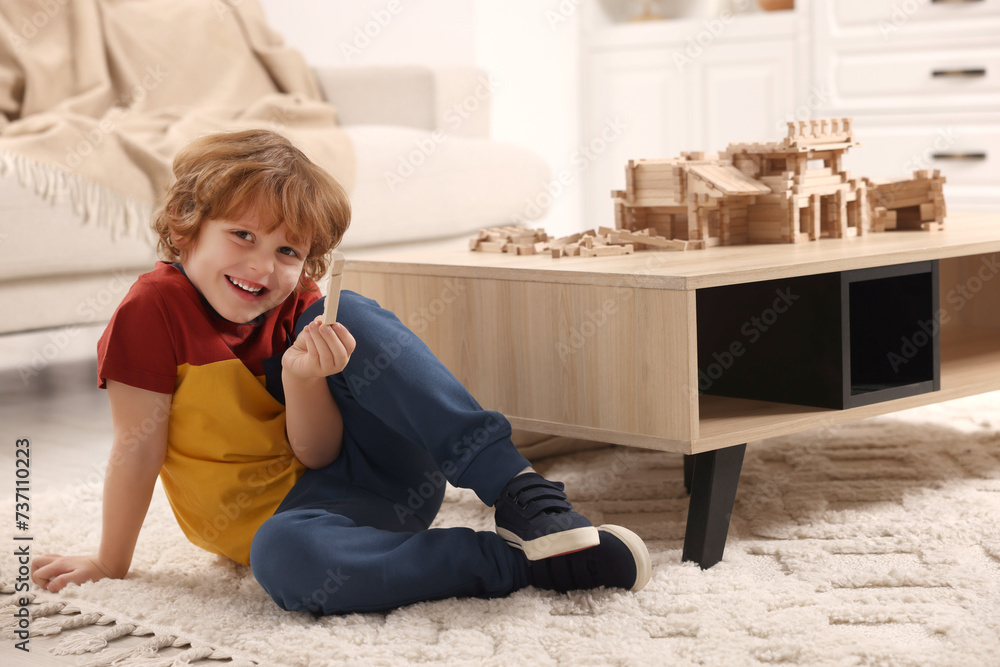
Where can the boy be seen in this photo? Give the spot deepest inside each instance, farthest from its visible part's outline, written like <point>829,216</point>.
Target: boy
<point>288,457</point>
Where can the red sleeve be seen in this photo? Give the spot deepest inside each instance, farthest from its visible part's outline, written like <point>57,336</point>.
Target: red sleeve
<point>306,298</point>
<point>137,347</point>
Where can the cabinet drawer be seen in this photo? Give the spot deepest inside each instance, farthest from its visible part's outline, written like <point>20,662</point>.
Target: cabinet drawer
<point>966,150</point>
<point>900,13</point>
<point>937,76</point>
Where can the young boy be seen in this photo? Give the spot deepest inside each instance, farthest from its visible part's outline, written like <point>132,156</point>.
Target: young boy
<point>289,456</point>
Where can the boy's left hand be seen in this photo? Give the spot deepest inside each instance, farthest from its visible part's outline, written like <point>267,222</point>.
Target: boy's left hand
<point>320,350</point>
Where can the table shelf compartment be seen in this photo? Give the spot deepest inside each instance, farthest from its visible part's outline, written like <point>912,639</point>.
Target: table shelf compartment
<point>834,340</point>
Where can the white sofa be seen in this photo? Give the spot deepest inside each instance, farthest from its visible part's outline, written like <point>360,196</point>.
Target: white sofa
<point>426,169</point>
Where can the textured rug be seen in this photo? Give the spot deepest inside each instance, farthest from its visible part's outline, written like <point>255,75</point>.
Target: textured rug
<point>875,543</point>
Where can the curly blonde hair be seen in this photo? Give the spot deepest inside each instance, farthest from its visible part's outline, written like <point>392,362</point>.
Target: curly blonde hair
<point>219,177</point>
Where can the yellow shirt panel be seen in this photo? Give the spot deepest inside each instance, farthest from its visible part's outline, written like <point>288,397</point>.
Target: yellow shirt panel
<point>228,463</point>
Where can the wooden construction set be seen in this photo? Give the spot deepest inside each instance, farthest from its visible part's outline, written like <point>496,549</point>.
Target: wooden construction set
<point>790,191</point>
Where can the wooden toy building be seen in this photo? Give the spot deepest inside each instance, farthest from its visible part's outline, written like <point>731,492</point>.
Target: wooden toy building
<point>775,192</point>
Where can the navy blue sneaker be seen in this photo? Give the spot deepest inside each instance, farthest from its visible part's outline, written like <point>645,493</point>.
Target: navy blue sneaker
<point>620,561</point>
<point>533,515</point>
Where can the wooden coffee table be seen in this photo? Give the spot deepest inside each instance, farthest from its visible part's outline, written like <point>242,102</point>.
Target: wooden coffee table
<point>607,348</point>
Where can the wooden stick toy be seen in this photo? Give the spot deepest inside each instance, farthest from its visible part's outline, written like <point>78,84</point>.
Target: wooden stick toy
<point>333,287</point>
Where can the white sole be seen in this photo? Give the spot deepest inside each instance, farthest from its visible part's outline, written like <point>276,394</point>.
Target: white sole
<point>556,544</point>
<point>643,564</point>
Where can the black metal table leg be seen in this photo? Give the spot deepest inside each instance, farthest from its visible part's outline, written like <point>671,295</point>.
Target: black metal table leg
<point>714,480</point>
<point>688,472</point>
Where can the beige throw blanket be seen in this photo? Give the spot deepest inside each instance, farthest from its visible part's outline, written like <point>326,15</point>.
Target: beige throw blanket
<point>97,96</point>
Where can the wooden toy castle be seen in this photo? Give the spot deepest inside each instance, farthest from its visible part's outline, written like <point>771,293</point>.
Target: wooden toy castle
<point>775,192</point>
<point>788,191</point>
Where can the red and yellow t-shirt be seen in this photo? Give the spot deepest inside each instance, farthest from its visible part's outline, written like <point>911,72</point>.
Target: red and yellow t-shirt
<point>228,462</point>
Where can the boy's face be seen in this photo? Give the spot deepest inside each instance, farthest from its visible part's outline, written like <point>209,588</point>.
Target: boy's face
<point>242,269</point>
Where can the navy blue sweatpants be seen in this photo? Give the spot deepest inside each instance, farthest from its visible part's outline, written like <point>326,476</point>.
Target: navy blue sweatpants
<point>353,536</point>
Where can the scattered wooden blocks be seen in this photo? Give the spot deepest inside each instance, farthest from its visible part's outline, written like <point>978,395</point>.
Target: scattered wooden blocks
<point>490,246</point>
<point>605,242</point>
<point>508,239</point>
<point>606,250</point>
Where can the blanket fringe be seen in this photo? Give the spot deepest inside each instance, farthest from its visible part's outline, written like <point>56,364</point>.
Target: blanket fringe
<point>94,203</point>
<point>55,617</point>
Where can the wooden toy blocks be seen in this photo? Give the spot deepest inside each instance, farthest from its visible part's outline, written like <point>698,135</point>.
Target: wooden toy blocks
<point>605,242</point>
<point>912,204</point>
<point>789,191</point>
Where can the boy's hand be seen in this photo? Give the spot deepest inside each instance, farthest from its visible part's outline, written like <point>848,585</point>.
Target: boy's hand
<point>320,350</point>
<point>54,572</point>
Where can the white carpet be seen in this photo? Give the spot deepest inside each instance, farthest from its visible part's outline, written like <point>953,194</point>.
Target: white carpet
<point>876,543</point>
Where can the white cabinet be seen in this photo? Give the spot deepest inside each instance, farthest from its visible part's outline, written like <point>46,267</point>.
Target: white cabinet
<point>890,19</point>
<point>921,78</point>
<point>965,147</point>
<point>639,94</point>
<point>741,92</point>
<point>681,85</point>
<point>922,81</point>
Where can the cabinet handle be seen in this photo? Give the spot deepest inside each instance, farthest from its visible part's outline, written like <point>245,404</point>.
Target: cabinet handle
<point>959,156</point>
<point>969,73</point>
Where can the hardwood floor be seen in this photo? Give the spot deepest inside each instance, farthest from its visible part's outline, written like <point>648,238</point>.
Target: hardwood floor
<point>49,394</point>
<point>58,407</point>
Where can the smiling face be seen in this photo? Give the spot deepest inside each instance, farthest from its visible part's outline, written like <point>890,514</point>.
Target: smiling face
<point>242,269</point>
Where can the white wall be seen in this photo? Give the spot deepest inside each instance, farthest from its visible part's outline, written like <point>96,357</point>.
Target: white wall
<point>535,57</point>
<point>530,54</point>
<point>376,32</point>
